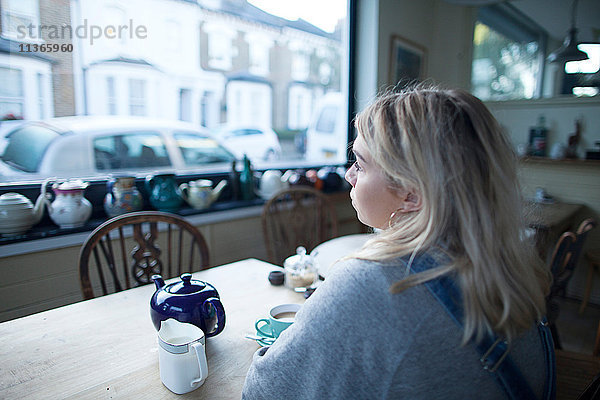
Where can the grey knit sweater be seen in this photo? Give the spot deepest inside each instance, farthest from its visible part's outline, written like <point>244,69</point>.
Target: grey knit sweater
<point>354,340</point>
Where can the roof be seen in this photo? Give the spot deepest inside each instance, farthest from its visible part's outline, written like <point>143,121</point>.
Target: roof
<point>247,11</point>
<point>121,59</point>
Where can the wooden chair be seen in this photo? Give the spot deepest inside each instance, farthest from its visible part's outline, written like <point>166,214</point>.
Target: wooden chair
<point>577,375</point>
<point>128,249</point>
<point>562,264</point>
<point>593,259</point>
<point>299,216</point>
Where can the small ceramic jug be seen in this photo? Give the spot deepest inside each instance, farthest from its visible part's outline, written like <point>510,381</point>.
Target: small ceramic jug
<point>69,208</point>
<point>164,192</point>
<point>181,356</point>
<point>122,196</point>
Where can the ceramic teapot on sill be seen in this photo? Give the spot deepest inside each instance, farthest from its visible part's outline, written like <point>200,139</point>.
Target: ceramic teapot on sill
<point>200,194</point>
<point>122,196</point>
<point>163,192</point>
<point>18,214</point>
<point>189,301</point>
<point>69,208</point>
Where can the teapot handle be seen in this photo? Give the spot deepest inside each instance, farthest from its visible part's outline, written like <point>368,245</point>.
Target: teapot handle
<point>150,182</point>
<point>202,364</point>
<point>184,188</point>
<point>218,306</point>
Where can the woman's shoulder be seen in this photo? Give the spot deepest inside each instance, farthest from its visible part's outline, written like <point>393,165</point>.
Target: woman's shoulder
<point>353,270</point>
<point>393,269</point>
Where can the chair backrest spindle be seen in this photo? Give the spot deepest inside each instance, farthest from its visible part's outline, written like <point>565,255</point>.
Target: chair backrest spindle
<point>299,216</point>
<point>145,257</point>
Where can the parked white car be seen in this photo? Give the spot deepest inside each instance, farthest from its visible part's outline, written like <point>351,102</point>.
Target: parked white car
<point>327,133</point>
<point>258,143</point>
<point>96,146</point>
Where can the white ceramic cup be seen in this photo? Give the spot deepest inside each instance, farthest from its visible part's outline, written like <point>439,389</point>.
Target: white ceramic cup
<point>181,356</point>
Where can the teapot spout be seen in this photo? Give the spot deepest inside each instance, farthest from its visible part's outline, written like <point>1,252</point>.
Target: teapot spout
<point>158,281</point>
<point>217,190</point>
<point>42,200</point>
<point>38,208</point>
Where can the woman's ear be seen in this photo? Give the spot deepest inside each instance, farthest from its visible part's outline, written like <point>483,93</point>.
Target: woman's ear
<point>412,202</point>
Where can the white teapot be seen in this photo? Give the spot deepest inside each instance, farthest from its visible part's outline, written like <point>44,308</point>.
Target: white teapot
<point>200,194</point>
<point>69,209</point>
<point>18,214</point>
<point>271,182</point>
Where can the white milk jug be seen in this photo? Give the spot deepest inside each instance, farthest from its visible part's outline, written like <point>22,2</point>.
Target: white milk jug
<point>181,356</point>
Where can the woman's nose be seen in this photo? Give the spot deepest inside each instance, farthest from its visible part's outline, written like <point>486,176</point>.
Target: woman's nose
<point>350,176</point>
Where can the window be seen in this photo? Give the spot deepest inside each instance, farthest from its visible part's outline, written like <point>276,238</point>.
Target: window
<point>111,96</point>
<point>11,93</point>
<point>138,150</point>
<point>326,119</point>
<point>40,88</point>
<point>299,107</point>
<point>220,45</point>
<point>508,55</point>
<point>137,97</point>
<point>258,54</point>
<point>300,62</point>
<point>206,63</point>
<point>17,15</point>
<point>185,104</point>
<point>201,150</point>
<point>27,146</point>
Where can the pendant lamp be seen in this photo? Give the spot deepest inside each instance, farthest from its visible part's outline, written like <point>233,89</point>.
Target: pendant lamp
<point>569,51</point>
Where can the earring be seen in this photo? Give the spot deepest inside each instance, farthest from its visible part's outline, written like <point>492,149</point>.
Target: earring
<point>393,215</point>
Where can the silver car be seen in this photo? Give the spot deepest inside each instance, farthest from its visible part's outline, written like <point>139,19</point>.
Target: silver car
<point>96,146</point>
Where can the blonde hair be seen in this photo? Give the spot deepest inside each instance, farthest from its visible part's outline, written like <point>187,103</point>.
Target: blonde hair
<point>445,146</point>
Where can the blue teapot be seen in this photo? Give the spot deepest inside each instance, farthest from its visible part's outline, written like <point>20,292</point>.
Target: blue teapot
<point>190,301</point>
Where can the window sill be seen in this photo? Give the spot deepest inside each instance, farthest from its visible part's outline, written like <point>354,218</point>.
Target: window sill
<point>52,237</point>
<point>562,161</point>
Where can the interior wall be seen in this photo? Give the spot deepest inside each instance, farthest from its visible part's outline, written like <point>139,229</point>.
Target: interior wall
<point>445,31</point>
<point>560,114</point>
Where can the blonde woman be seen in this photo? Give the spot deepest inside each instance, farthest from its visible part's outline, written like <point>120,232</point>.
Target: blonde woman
<point>446,301</point>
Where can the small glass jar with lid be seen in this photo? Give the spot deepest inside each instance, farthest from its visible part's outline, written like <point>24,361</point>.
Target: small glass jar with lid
<point>300,270</point>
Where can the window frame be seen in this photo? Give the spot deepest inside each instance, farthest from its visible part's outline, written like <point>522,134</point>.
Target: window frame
<point>34,19</point>
<point>513,24</point>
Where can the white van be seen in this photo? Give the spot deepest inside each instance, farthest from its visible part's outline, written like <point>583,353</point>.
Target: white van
<point>327,134</point>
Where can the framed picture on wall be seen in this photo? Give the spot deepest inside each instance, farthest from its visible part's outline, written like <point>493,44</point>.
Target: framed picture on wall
<point>407,61</point>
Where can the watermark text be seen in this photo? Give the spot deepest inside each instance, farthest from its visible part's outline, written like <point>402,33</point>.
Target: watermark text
<point>87,31</point>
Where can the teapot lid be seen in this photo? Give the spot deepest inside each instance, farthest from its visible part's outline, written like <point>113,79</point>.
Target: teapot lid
<point>75,184</point>
<point>14,199</point>
<point>186,285</point>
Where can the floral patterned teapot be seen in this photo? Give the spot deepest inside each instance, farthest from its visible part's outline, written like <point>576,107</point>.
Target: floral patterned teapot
<point>69,208</point>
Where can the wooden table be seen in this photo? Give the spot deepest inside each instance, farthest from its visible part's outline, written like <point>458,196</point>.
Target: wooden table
<point>107,347</point>
<point>549,222</point>
<point>332,250</point>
